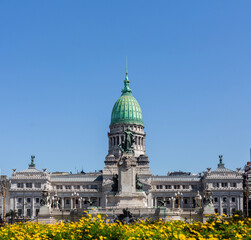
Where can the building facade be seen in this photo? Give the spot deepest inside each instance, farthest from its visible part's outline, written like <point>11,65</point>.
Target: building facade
<point>175,191</point>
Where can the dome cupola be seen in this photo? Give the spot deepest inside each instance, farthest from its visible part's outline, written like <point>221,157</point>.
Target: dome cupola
<point>126,109</point>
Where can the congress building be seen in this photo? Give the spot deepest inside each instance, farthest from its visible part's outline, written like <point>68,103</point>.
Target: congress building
<point>126,180</point>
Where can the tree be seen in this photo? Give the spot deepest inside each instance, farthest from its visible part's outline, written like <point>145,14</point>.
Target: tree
<point>12,214</point>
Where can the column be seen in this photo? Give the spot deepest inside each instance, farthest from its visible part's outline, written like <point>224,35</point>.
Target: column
<point>241,203</point>
<point>11,203</point>
<point>62,202</point>
<point>33,214</point>
<point>220,207</point>
<point>71,201</point>
<point>14,200</point>
<point>228,207</point>
<point>24,214</point>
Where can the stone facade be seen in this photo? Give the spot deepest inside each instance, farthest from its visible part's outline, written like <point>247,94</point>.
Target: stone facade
<point>178,194</point>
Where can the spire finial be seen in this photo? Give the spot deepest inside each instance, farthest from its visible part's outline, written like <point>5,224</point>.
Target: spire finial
<point>126,65</point>
<point>126,69</point>
<point>126,82</point>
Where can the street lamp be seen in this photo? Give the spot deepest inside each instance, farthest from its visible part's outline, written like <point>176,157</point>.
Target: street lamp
<point>178,195</point>
<point>75,196</point>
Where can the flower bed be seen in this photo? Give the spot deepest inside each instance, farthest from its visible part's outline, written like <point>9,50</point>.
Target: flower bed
<point>95,228</point>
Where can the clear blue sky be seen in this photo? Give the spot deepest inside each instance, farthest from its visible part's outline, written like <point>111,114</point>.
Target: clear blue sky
<point>62,66</point>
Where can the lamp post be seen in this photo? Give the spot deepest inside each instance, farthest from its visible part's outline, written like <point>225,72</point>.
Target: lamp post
<point>75,196</point>
<point>178,195</point>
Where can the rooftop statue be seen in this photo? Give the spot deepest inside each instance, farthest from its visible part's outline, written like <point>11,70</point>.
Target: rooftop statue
<point>127,145</point>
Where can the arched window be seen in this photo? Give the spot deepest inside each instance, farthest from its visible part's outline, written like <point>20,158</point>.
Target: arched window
<point>117,140</point>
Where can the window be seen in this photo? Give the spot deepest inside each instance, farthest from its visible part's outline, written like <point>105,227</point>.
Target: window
<point>77,201</point>
<point>233,199</point>
<point>216,210</point>
<point>20,185</point>
<point>224,184</point>
<point>38,185</point>
<point>94,186</point>
<point>224,199</point>
<point>28,200</point>
<point>215,199</point>
<point>194,187</point>
<point>77,187</point>
<point>59,187</point>
<point>185,186</point>
<point>28,185</point>
<point>185,201</point>
<point>176,186</point>
<point>19,212</point>
<point>19,200</point>
<point>168,187</point>
<point>28,212</point>
<point>233,184</point>
<point>67,186</point>
<point>225,211</point>
<point>37,200</point>
<point>67,201</point>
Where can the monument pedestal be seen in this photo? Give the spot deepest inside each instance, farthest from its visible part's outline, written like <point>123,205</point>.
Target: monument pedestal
<point>208,210</point>
<point>127,200</point>
<point>45,215</point>
<point>127,195</point>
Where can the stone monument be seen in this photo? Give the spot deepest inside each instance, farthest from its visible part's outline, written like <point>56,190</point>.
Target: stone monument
<point>45,212</point>
<point>208,205</point>
<point>126,188</point>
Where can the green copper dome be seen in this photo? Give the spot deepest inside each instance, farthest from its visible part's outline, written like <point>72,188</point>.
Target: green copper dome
<point>126,109</point>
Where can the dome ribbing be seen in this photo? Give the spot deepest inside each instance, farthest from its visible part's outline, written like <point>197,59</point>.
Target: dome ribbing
<point>126,109</point>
